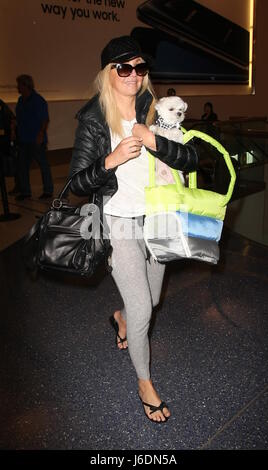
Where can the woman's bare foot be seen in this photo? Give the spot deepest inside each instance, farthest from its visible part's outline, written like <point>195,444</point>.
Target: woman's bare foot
<point>122,332</point>
<point>148,394</point>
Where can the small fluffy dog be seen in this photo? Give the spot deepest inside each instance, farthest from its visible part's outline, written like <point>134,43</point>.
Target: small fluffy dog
<point>170,113</point>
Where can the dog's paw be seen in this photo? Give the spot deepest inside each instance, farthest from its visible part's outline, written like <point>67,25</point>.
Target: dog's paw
<point>174,135</point>
<point>153,128</point>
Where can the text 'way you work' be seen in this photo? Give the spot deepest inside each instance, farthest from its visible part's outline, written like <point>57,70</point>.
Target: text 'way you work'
<point>77,12</point>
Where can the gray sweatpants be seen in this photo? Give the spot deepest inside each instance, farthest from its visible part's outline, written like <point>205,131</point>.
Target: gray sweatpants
<point>139,282</point>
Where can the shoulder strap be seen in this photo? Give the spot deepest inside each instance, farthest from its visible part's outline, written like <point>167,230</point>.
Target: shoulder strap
<point>64,189</point>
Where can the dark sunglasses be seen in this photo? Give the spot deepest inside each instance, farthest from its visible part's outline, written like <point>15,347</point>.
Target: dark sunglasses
<point>124,70</point>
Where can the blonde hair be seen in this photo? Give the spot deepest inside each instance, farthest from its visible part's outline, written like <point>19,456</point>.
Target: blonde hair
<point>108,103</point>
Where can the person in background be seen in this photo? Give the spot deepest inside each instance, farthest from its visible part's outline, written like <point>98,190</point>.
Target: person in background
<point>7,126</point>
<point>7,135</point>
<point>207,163</point>
<point>110,159</point>
<point>209,114</point>
<point>32,121</point>
<point>171,92</point>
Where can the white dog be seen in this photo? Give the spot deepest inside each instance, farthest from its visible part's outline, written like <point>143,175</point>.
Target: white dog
<point>171,112</point>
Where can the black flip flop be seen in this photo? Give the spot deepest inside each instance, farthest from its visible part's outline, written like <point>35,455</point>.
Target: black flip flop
<point>116,328</point>
<point>154,408</point>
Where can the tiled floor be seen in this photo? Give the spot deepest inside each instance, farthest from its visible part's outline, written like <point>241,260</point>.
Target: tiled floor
<point>64,385</point>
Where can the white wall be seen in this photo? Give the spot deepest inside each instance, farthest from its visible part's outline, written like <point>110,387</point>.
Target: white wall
<point>62,124</point>
<point>63,56</point>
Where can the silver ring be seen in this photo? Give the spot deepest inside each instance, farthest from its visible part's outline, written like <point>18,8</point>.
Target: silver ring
<point>56,204</point>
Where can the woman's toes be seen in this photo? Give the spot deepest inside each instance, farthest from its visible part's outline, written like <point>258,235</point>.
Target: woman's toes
<point>156,417</point>
<point>122,345</point>
<point>166,412</point>
<point>163,415</point>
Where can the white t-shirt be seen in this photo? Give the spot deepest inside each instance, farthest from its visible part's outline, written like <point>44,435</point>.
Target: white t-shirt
<point>132,177</point>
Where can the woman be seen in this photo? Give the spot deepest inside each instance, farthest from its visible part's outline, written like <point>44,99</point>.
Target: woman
<point>209,114</point>
<point>110,158</point>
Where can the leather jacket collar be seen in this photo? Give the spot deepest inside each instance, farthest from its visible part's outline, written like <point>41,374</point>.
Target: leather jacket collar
<point>92,109</point>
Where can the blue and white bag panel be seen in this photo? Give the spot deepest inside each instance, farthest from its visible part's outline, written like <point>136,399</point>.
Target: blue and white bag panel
<point>175,235</point>
<point>200,226</point>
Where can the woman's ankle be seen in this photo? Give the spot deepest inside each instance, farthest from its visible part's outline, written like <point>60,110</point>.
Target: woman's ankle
<point>117,315</point>
<point>144,384</point>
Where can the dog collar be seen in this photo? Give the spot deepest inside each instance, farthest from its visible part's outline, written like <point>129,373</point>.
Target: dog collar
<point>161,123</point>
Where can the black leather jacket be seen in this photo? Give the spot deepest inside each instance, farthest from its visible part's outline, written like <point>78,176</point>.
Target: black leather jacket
<point>93,144</point>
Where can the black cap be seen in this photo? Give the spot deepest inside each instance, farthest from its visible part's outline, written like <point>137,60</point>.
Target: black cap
<point>120,50</point>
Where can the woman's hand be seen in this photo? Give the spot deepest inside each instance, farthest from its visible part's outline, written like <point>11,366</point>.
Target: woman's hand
<point>147,136</point>
<point>129,148</point>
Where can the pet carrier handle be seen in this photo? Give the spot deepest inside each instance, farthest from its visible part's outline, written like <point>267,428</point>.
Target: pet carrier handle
<point>192,176</point>
<point>207,138</point>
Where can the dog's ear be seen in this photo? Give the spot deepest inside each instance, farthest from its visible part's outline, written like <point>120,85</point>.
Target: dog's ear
<point>157,105</point>
<point>185,106</point>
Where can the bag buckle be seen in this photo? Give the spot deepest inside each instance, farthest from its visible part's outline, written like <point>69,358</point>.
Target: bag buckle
<point>56,204</point>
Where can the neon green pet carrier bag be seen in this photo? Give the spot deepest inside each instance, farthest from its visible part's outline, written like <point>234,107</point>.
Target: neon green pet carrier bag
<point>185,222</point>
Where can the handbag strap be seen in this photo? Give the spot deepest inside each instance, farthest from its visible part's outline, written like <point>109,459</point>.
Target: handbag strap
<point>57,201</point>
<point>64,189</point>
<point>193,175</point>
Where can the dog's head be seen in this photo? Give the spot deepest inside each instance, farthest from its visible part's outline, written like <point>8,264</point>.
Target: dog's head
<point>171,109</point>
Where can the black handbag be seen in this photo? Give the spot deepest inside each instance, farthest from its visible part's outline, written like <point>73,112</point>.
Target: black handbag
<point>68,239</point>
